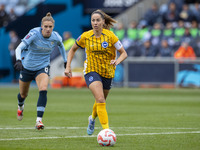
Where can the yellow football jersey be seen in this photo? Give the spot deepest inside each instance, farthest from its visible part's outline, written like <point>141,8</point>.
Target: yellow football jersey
<point>99,52</point>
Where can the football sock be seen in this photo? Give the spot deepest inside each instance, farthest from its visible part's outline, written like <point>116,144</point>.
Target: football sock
<point>94,111</point>
<point>20,100</point>
<point>21,107</point>
<point>41,104</point>
<point>102,114</point>
<point>39,119</point>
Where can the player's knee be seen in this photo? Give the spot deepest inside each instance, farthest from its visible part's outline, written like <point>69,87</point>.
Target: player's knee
<point>100,100</point>
<point>43,88</point>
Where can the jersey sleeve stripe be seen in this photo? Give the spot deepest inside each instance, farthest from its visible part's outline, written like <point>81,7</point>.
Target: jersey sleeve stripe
<point>78,45</point>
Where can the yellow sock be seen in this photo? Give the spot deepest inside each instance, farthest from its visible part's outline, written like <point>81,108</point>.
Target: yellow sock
<point>102,114</point>
<point>94,111</point>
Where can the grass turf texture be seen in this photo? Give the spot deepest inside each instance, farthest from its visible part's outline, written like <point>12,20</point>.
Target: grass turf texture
<point>143,119</point>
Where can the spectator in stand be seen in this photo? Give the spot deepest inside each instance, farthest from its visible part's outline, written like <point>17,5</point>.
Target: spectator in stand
<point>196,46</point>
<point>152,15</point>
<point>178,3</point>
<point>14,42</point>
<point>186,14</point>
<point>196,11</point>
<point>120,31</point>
<point>187,35</point>
<point>195,42</point>
<point>194,29</point>
<point>185,51</point>
<point>134,50</point>
<point>171,15</point>
<point>142,29</point>
<point>178,33</point>
<point>12,15</point>
<point>168,30</point>
<point>132,31</point>
<point>148,50</point>
<point>68,40</point>
<point>3,16</point>
<point>165,50</point>
<point>130,42</point>
<point>155,34</point>
<point>168,34</point>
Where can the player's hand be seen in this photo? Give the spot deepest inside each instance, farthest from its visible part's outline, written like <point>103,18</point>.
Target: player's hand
<point>65,64</point>
<point>113,62</point>
<point>68,72</point>
<point>18,65</point>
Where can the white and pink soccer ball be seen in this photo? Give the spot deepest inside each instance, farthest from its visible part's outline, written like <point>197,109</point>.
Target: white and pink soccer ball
<point>106,137</point>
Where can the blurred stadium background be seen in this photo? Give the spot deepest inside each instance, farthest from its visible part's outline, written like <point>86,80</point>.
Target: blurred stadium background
<point>151,32</point>
<point>143,26</point>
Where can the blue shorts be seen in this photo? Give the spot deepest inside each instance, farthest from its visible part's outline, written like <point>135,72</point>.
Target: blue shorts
<point>93,76</point>
<point>28,75</point>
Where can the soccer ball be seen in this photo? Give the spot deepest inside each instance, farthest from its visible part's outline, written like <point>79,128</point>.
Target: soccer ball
<point>106,137</point>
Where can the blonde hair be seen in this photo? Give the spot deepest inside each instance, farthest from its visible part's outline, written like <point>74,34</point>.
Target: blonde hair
<point>48,17</point>
<point>109,21</point>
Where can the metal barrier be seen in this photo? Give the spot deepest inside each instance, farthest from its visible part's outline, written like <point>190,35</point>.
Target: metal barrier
<point>161,71</point>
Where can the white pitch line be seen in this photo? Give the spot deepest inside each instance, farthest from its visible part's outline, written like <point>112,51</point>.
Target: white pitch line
<point>77,128</point>
<point>189,132</point>
<point>153,128</point>
<point>57,128</point>
<point>70,137</point>
<point>40,138</point>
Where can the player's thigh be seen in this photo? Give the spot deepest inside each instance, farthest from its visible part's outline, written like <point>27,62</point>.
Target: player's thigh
<point>24,88</point>
<point>96,88</point>
<point>42,81</point>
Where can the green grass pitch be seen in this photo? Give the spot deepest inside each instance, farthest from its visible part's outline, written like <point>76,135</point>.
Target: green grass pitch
<point>143,119</point>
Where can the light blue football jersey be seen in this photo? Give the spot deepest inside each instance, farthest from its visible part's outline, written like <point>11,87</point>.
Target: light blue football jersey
<point>38,49</point>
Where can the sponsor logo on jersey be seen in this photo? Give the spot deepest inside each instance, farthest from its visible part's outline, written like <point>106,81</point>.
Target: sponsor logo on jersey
<point>104,44</point>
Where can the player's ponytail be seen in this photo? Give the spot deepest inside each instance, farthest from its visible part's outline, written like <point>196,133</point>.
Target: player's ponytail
<point>109,21</point>
<point>48,17</point>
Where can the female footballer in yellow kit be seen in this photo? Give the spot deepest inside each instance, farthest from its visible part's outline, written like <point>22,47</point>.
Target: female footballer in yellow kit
<point>100,45</point>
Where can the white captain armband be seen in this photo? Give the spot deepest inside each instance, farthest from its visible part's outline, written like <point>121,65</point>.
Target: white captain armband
<point>118,45</point>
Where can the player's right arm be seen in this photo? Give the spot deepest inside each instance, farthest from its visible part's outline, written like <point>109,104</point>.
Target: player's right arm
<point>18,65</point>
<point>25,42</point>
<point>19,49</point>
<point>80,42</point>
<point>70,56</point>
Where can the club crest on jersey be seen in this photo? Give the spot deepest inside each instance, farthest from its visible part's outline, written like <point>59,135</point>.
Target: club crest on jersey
<point>104,44</point>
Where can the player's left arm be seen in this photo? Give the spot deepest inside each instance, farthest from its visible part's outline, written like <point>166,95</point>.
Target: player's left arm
<point>123,54</point>
<point>61,47</point>
<point>62,51</point>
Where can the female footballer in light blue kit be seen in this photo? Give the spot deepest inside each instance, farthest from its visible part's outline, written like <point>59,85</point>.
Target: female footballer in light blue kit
<point>33,61</point>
